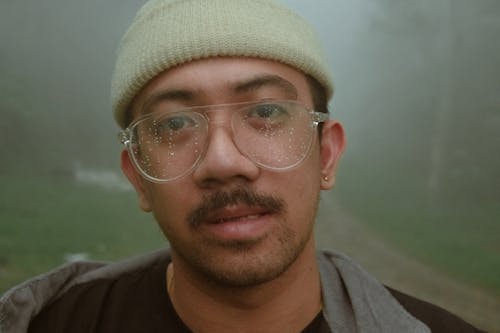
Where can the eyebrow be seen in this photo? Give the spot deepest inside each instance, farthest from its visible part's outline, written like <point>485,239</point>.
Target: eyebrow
<point>266,80</point>
<point>169,95</point>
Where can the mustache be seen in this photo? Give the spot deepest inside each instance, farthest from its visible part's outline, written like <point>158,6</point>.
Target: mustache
<point>245,196</point>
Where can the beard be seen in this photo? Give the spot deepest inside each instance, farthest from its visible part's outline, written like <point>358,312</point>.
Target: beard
<point>242,263</point>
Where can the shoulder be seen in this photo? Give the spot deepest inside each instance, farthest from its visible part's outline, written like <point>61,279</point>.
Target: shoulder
<point>65,287</point>
<point>98,304</point>
<point>335,265</point>
<point>435,317</point>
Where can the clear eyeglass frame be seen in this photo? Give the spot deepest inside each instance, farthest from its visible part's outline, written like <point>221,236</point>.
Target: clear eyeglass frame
<point>314,118</point>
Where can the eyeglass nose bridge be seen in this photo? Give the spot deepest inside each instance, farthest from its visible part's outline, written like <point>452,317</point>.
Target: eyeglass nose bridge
<point>218,122</point>
<point>222,115</point>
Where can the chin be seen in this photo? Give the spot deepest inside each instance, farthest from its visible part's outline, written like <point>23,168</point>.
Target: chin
<point>240,265</point>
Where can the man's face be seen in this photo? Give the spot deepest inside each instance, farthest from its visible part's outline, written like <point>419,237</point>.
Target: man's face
<point>229,220</point>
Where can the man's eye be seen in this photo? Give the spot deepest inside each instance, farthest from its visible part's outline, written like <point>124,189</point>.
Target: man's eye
<point>176,123</point>
<point>268,111</point>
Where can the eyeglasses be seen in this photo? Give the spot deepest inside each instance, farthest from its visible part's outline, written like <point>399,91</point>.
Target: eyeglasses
<point>275,135</point>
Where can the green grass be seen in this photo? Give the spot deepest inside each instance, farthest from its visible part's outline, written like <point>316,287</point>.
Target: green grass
<point>462,240</point>
<point>42,219</point>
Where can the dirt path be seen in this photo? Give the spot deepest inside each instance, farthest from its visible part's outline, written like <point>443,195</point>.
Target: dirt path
<point>337,229</point>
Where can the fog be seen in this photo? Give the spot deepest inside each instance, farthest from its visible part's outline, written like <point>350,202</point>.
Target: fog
<point>417,88</point>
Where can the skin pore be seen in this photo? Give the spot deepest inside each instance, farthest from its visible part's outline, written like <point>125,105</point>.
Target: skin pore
<point>241,275</point>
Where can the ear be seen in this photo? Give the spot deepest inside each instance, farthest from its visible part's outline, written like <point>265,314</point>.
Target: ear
<point>332,146</point>
<point>136,180</point>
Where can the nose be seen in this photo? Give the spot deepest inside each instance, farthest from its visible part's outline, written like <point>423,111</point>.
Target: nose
<point>223,163</point>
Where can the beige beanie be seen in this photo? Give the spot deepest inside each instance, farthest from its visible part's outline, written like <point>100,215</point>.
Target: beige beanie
<point>166,33</point>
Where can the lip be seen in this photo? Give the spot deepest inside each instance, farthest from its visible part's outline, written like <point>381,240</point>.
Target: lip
<point>238,223</point>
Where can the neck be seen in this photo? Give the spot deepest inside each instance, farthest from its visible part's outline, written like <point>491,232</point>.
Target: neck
<point>286,304</point>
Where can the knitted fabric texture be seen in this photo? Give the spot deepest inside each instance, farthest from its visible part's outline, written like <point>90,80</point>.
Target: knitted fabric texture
<point>167,33</point>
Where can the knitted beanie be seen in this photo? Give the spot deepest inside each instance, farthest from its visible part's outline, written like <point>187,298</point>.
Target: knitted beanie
<point>167,33</point>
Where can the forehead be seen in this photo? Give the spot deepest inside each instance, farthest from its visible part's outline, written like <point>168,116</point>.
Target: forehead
<point>226,80</point>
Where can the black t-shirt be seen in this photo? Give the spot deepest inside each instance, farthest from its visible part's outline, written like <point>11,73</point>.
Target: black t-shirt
<point>136,302</point>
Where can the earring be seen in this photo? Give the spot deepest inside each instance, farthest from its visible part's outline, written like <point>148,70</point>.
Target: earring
<point>325,178</point>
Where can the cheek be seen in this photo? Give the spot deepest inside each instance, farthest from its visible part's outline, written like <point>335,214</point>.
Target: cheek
<point>306,191</point>
<point>170,205</point>
<point>301,188</point>
<point>310,180</point>
<point>308,175</point>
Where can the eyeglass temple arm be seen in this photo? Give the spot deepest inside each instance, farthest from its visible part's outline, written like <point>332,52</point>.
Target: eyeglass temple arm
<point>124,137</point>
<point>319,117</point>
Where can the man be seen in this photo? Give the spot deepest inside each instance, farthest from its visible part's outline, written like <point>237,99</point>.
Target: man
<point>228,144</point>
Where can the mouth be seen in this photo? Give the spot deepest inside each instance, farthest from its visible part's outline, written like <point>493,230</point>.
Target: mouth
<point>237,223</point>
<point>235,215</point>
<point>240,215</point>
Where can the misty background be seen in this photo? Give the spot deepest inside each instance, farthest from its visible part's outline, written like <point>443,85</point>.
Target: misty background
<point>417,89</point>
